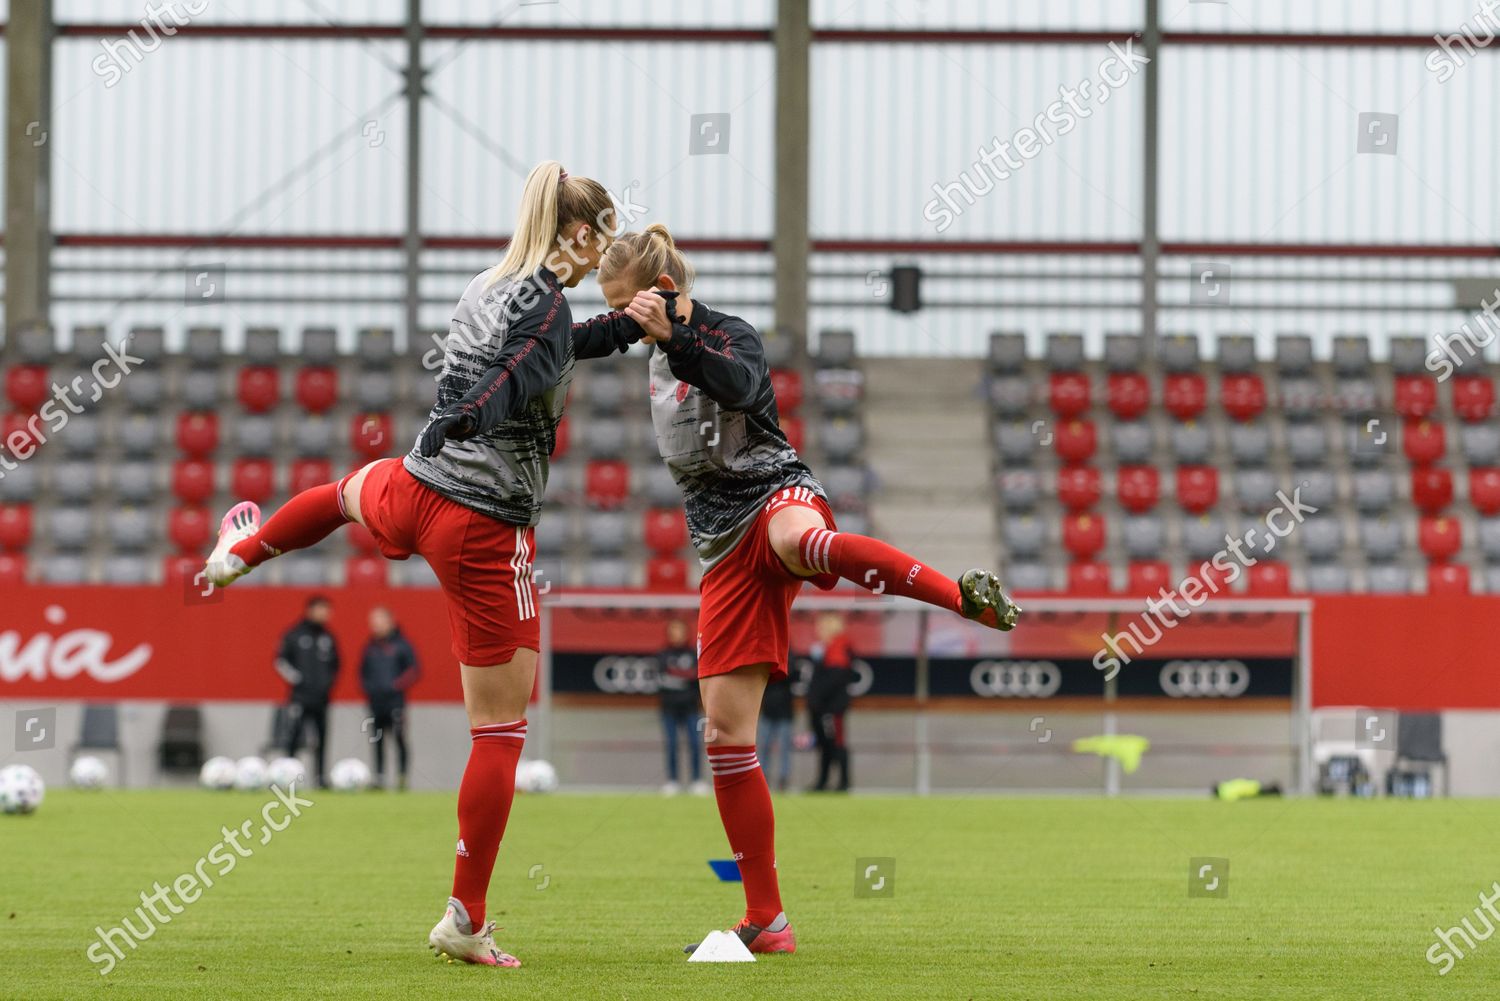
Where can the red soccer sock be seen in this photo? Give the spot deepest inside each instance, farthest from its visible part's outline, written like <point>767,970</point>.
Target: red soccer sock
<point>305,520</point>
<point>484,798</point>
<point>745,808</point>
<point>878,567</point>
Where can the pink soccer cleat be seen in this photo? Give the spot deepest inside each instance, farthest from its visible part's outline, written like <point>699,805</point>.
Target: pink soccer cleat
<point>453,939</point>
<point>223,567</point>
<point>762,940</point>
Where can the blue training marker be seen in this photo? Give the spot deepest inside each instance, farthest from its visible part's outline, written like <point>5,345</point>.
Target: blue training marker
<point>727,869</point>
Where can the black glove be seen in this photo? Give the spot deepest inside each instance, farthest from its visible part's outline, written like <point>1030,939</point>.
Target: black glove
<point>456,422</point>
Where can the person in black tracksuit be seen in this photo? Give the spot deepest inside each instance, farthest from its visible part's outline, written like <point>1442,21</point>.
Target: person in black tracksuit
<point>387,671</point>
<point>828,700</point>
<point>308,661</point>
<point>774,735</point>
<point>677,685</point>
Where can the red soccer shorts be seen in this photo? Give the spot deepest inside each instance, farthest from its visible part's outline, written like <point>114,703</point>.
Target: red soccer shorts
<point>745,609</point>
<point>483,564</point>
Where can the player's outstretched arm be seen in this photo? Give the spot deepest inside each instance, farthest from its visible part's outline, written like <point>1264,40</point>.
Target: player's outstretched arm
<point>604,335</point>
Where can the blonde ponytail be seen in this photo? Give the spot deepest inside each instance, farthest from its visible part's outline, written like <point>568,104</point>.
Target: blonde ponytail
<point>641,258</point>
<point>551,200</point>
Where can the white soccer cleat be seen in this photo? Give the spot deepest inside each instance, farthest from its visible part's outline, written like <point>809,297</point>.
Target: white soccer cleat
<point>452,939</point>
<point>223,567</point>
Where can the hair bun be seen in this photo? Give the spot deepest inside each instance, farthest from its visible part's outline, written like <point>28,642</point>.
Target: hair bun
<point>658,229</point>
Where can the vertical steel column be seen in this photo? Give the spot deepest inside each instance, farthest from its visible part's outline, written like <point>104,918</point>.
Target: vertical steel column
<point>789,242</point>
<point>1150,238</point>
<point>28,165</point>
<point>921,724</point>
<point>415,80</point>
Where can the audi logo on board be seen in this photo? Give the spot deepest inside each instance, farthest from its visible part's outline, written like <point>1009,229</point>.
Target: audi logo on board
<point>1205,679</point>
<point>626,675</point>
<point>1015,679</point>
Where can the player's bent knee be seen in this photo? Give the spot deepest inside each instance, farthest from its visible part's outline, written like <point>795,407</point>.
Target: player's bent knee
<point>499,693</point>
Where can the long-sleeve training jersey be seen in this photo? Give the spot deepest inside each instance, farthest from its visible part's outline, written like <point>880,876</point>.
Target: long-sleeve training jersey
<point>716,422</point>
<point>509,360</point>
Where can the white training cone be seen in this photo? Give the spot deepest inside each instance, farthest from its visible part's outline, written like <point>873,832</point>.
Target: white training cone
<point>721,947</point>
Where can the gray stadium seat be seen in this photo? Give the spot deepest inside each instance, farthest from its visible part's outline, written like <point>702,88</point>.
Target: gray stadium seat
<point>20,485</point>
<point>1024,536</point>
<point>1409,355</point>
<point>1015,443</point>
<point>139,435</point>
<point>1489,539</point>
<point>201,389</point>
<point>1481,444</point>
<point>1131,441</point>
<point>1123,352</point>
<point>1019,489</point>
<point>1374,490</point>
<point>310,568</point>
<point>1236,353</point>
<point>839,390</point>
<point>778,348</point>
<point>88,344</point>
<point>1319,488</point>
<point>126,568</point>
<point>604,392</point>
<point>130,529</point>
<point>1355,395</point>
<point>1301,397</point>
<point>1351,355</point>
<point>320,346</point>
<point>82,436</point>
<point>408,573</point>
<point>1255,490</point>
<point>149,343</point>
<point>1026,576</point>
<point>74,482</point>
<point>554,532</point>
<point>36,346</point>
<point>1007,352</point>
<point>375,390</point>
<point>604,438</point>
<point>69,529</point>
<point>1249,444</point>
<point>844,484</point>
<point>1203,537</point>
<point>565,484</point>
<point>375,347</point>
<point>1178,352</point>
<point>205,346</point>
<point>146,389</point>
<point>1143,536</point>
<point>1010,396</point>
<point>255,435</point>
<point>262,346</point>
<point>63,568</point>
<point>312,437</point>
<point>1191,443</point>
<point>840,439</point>
<point>133,482</point>
<point>1321,538</point>
<point>853,522</point>
<point>1388,578</point>
<point>836,349</point>
<point>1363,448</point>
<point>1327,578</point>
<point>609,573</point>
<point>1294,354</point>
<point>1380,539</point>
<point>606,531</point>
<point>660,489</point>
<point>1064,352</point>
<point>1307,444</point>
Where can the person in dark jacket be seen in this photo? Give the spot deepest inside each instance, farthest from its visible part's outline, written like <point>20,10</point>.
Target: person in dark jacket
<point>308,661</point>
<point>677,684</point>
<point>775,737</point>
<point>387,671</point>
<point>828,699</point>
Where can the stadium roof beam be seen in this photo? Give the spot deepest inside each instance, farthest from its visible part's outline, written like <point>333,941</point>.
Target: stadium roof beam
<point>28,164</point>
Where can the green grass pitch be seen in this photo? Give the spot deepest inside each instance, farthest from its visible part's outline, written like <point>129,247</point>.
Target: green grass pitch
<point>993,898</point>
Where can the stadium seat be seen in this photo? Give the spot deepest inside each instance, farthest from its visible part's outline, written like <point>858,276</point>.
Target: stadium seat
<point>1191,443</point>
<point>1307,444</point>
<point>1431,489</point>
<point>133,482</point>
<point>840,438</point>
<point>317,389</point>
<point>1137,488</point>
<point>1083,535</point>
<point>74,482</point>
<point>149,343</point>
<point>130,529</point>
<point>1416,395</point>
<point>139,435</point>
<point>374,390</point>
<point>1255,490</point>
<point>1078,487</point>
<point>1143,536</point>
<point>145,390</point>
<point>83,436</point>
<point>1473,397</point>
<point>604,392</point>
<point>16,436</point>
<point>1327,578</point>
<point>1007,352</point>
<point>1236,353</point>
<point>309,473</point>
<point>1010,396</point>
<point>796,432</point>
<point>1374,490</point>
<point>1294,354</point>
<point>1448,578</point>
<point>1268,579</point>
<point>1380,539</point>
<point>1489,539</point>
<point>15,526</point>
<point>786,383</point>
<point>1481,444</point>
<point>1069,394</point>
<point>1129,394</point>
<point>1123,352</point>
<point>606,483</point>
<point>1197,488</point>
<point>1423,441</point>
<point>262,346</point>
<point>1439,537</point>
<point>27,387</point>
<point>320,346</point>
<point>1075,441</point>
<point>1023,536</point>
<point>1351,354</point>
<point>365,571</point>
<point>1016,443</point>
<point>1020,489</point>
<point>88,343</point>
<point>836,349</point>
<point>253,480</point>
<point>21,484</point>
<point>1243,396</point>
<point>1354,396</point>
<point>1184,395</point>
<point>1133,442</point>
<point>197,433</point>
<point>200,390</point>
<point>1216,579</point>
<point>12,569</point>
<point>839,390</point>
<point>1249,444</point>
<point>1301,398</point>
<point>1029,577</point>
<point>1178,353</point>
<point>1484,490</point>
<point>35,345</point>
<point>189,529</point>
<point>1321,537</point>
<point>1319,488</point>
<point>848,487</point>
<point>1388,578</point>
<point>606,438</point>
<point>1203,536</point>
<point>1088,579</point>
<point>255,434</point>
<point>69,529</point>
<point>664,531</point>
<point>193,480</point>
<point>63,569</point>
<point>307,568</point>
<point>205,347</point>
<point>1063,352</point>
<point>258,389</point>
<point>659,488</point>
<point>372,436</point>
<point>1408,355</point>
<point>375,347</point>
<point>780,352</point>
<point>1148,577</point>
<point>666,573</point>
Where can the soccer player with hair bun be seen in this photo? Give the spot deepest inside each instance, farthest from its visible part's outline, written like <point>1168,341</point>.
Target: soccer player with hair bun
<point>761,524</point>
<point>466,498</point>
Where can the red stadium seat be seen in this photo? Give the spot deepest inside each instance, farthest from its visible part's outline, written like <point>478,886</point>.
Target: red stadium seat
<point>1243,396</point>
<point>309,473</point>
<point>1138,488</point>
<point>1129,395</point>
<point>1197,488</point>
<point>1184,394</point>
<point>1216,580</point>
<point>361,540</point>
<point>317,389</point>
<point>12,569</point>
<point>787,385</point>
<point>1431,489</point>
<point>1088,579</point>
<point>795,431</point>
<point>177,570</point>
<point>1439,537</point>
<point>27,387</point>
<point>1069,393</point>
<point>1269,579</point>
<point>1083,535</point>
<point>1078,487</point>
<point>1416,395</point>
<point>365,571</point>
<point>253,480</point>
<point>1484,490</point>
<point>1424,442</point>
<point>189,529</point>
<point>666,573</point>
<point>1473,397</point>
<point>1076,441</point>
<point>197,434</point>
<point>15,526</point>
<point>372,436</point>
<point>193,480</point>
<point>665,530</point>
<point>259,388</point>
<point>606,483</point>
<point>1448,578</point>
<point>16,437</point>
<point>564,439</point>
<point>1148,577</point>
